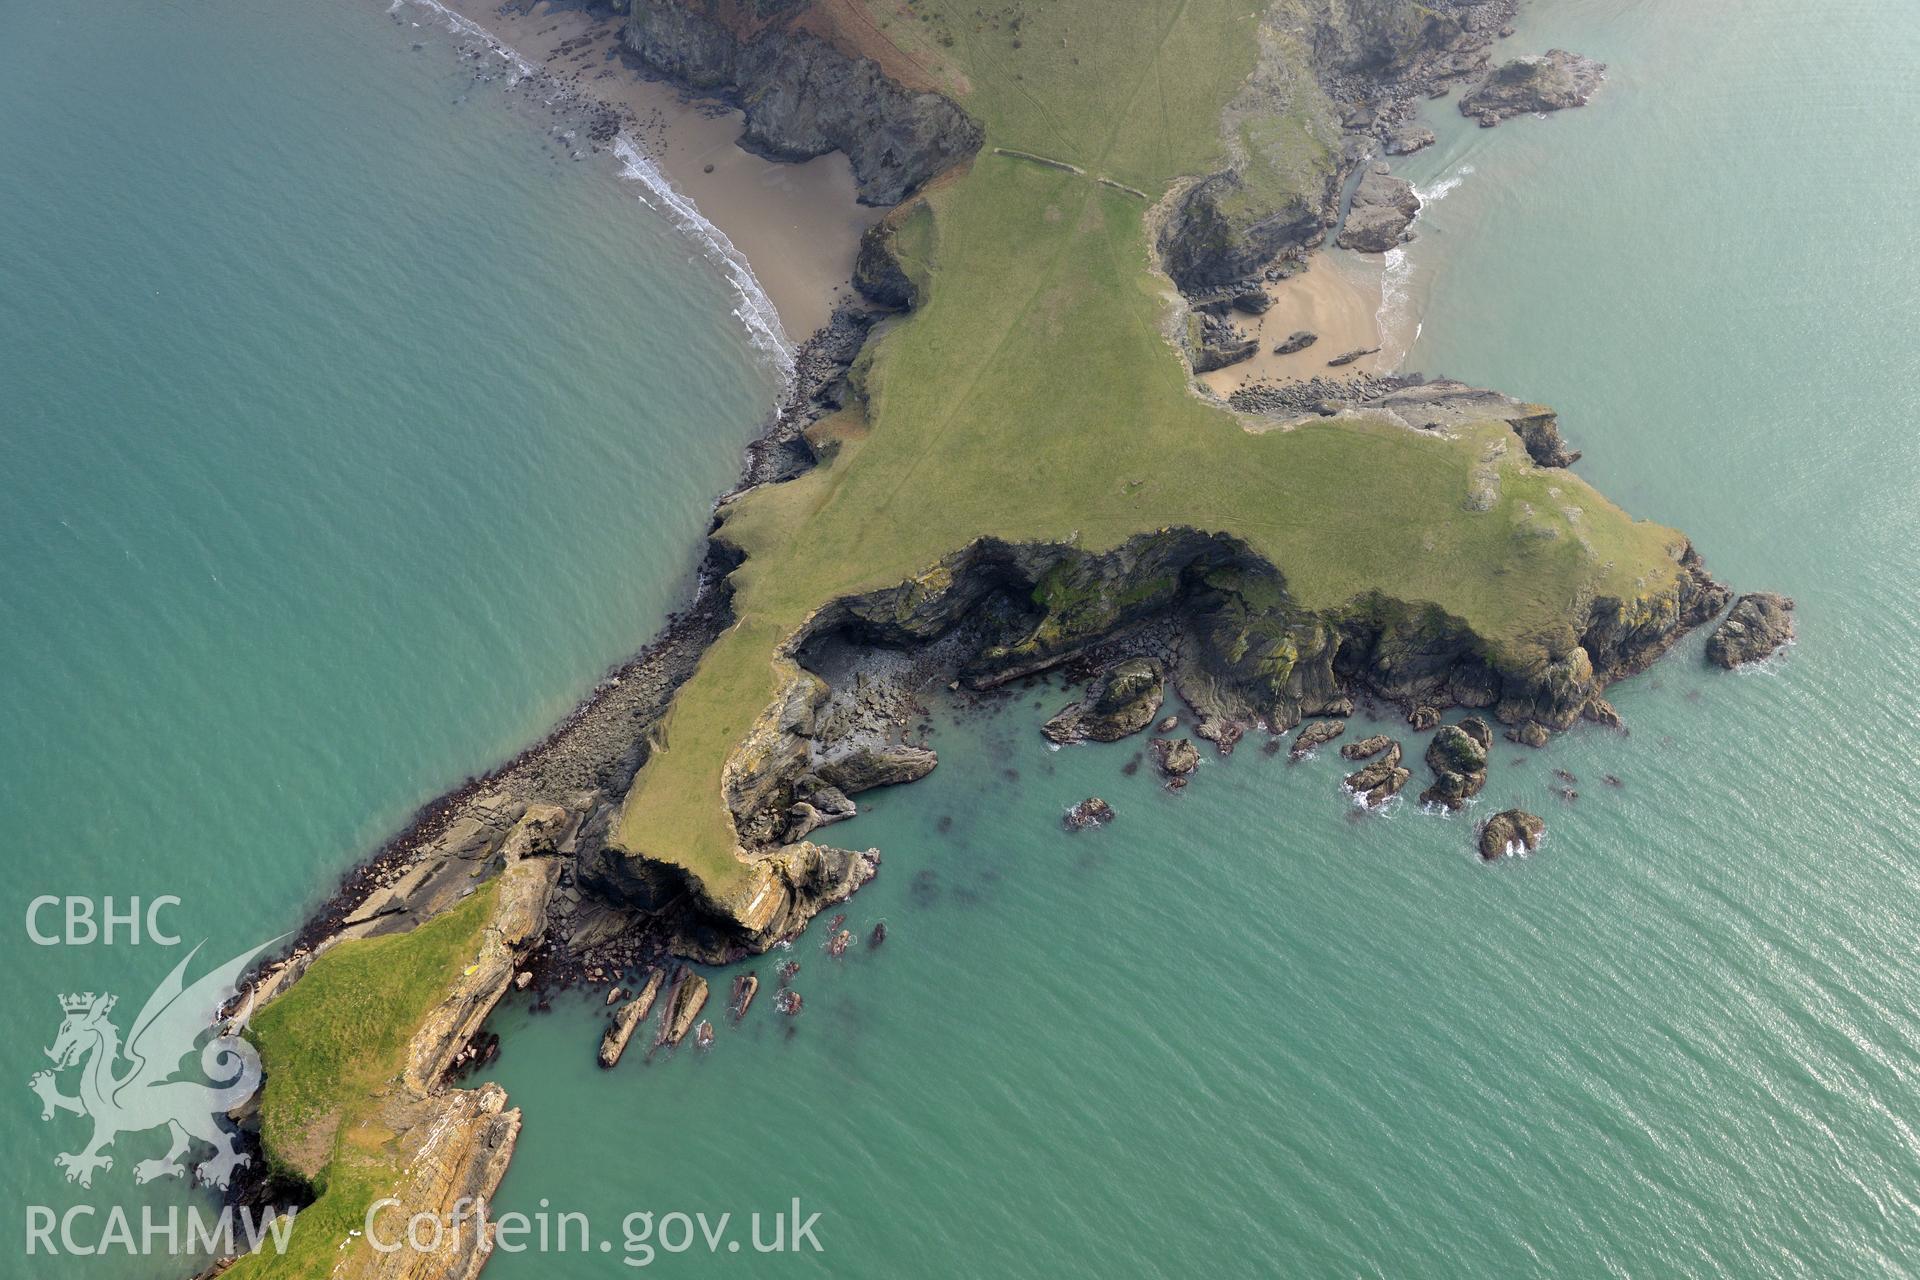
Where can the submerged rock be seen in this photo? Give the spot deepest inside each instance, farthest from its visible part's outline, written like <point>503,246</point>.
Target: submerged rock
<point>1122,702</point>
<point>1550,83</point>
<point>1091,812</point>
<point>1383,208</point>
<point>1316,733</point>
<point>1380,781</point>
<point>1458,757</point>
<point>1510,832</point>
<point>1759,623</point>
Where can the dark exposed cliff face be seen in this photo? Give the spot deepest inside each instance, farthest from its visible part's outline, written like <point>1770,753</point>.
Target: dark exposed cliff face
<point>804,98</point>
<point>1369,60</point>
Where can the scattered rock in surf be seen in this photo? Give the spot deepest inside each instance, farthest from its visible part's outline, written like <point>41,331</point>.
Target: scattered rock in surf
<point>1458,757</point>
<point>1511,833</point>
<point>1529,733</point>
<point>1380,781</point>
<point>1315,733</point>
<point>1529,86</point>
<point>1177,758</point>
<point>1091,812</point>
<point>745,987</point>
<point>1367,748</point>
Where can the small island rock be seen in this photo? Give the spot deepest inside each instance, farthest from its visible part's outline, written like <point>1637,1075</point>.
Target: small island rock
<point>1550,83</point>
<point>1510,832</point>
<point>1757,625</point>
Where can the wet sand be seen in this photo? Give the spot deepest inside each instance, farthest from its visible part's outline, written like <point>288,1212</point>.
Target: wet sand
<point>1337,297</point>
<point>797,224</point>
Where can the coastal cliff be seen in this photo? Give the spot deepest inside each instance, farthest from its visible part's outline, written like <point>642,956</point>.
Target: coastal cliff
<point>802,96</point>
<point>1009,474</point>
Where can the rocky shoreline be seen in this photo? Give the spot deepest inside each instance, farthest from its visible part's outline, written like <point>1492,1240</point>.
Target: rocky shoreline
<point>1179,609</point>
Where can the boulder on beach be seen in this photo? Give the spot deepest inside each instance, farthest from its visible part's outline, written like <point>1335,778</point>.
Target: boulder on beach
<point>1510,832</point>
<point>1757,625</point>
<point>1383,208</point>
<point>1298,340</point>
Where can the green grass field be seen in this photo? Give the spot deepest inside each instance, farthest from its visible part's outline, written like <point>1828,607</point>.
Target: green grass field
<point>333,1047</point>
<point>1033,397</point>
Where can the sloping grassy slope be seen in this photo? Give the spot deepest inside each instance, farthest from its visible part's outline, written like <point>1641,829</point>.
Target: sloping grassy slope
<point>1034,398</point>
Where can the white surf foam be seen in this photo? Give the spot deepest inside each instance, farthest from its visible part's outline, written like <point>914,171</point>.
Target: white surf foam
<point>755,309</point>
<point>467,27</point>
<point>1396,277</point>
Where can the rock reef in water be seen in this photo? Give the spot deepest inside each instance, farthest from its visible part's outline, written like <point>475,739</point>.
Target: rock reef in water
<point>626,1020</point>
<point>1526,85</point>
<point>1510,833</point>
<point>1315,734</point>
<point>1756,627</point>
<point>1122,702</point>
<point>1091,812</point>
<point>1380,781</point>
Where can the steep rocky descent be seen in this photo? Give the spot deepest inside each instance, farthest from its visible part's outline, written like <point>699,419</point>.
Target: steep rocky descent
<point>1526,85</point>
<point>1757,625</point>
<point>803,97</point>
<point>1383,208</point>
<point>1381,780</point>
<point>1122,702</point>
<point>1294,138</point>
<point>1510,833</point>
<point>1540,432</point>
<point>1214,342</point>
<point>1457,754</point>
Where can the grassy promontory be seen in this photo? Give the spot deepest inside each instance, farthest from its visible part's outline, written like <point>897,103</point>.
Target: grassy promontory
<point>1035,397</point>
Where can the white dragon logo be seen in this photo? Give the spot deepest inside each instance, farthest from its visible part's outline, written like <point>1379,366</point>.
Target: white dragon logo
<point>146,1096</point>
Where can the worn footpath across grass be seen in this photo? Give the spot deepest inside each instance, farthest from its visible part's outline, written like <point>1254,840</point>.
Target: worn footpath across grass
<point>1034,397</point>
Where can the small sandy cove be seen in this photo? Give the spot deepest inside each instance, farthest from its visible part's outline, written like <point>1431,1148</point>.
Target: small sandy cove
<point>1336,297</point>
<point>797,224</point>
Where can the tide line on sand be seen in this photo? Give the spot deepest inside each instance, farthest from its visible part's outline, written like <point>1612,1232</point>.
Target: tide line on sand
<point>754,309</point>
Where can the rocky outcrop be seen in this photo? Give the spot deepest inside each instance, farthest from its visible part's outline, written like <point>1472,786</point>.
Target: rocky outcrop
<point>879,273</point>
<point>1457,754</point>
<point>1177,757</point>
<point>1298,340</point>
<point>1383,208</point>
<point>1540,433</point>
<point>1510,833</point>
<point>688,997</point>
<point>1405,139</point>
<point>803,97</point>
<point>1348,357</point>
<point>1122,702</point>
<point>1550,83</point>
<point>1380,781</point>
<point>1091,812</point>
<point>1214,343</point>
<point>745,987</point>
<point>627,1020</point>
<point>1316,733</point>
<point>1756,626</point>
<point>1367,748</point>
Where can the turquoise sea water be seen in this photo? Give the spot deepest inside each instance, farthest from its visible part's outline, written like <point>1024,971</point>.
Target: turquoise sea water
<point>350,432</point>
<point>1243,1031</point>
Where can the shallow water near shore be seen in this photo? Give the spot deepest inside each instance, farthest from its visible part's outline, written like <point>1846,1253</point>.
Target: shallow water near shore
<point>351,433</point>
<point>1245,1029</point>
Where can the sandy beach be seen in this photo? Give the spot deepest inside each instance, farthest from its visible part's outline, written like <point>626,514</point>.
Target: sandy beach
<point>1333,298</point>
<point>797,224</point>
